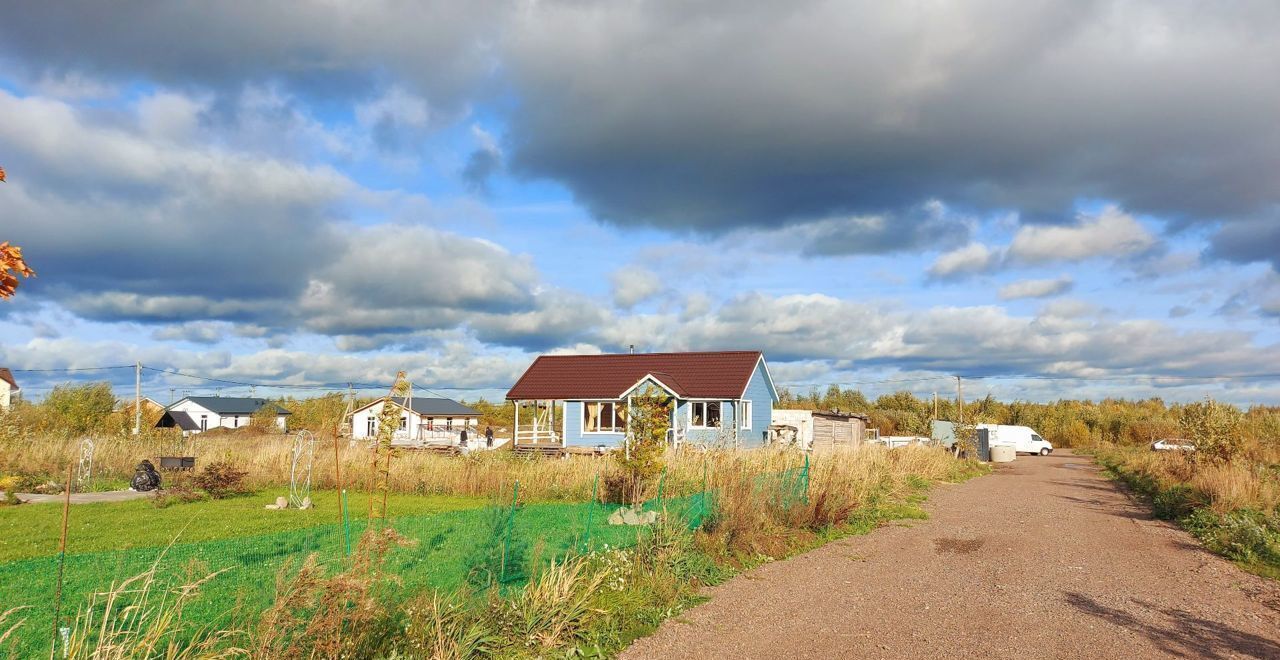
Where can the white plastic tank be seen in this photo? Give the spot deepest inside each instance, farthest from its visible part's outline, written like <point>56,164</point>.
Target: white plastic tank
<point>1002,454</point>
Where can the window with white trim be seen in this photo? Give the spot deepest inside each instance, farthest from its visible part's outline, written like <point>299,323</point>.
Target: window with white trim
<point>704,414</point>
<point>404,423</point>
<point>604,417</point>
<point>744,422</point>
<point>371,425</point>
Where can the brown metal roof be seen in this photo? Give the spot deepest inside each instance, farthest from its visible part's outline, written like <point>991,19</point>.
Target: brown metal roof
<point>7,376</point>
<point>711,375</point>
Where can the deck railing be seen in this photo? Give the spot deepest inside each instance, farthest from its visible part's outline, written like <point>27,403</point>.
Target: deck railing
<point>537,437</point>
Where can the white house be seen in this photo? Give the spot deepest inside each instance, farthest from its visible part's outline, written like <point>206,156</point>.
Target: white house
<point>194,414</point>
<point>8,388</point>
<point>423,420</point>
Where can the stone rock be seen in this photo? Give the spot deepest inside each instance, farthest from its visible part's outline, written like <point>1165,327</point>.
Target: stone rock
<point>306,503</point>
<point>282,503</point>
<point>270,507</point>
<point>630,516</point>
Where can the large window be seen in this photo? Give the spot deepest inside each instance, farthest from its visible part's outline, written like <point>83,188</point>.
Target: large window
<point>704,414</point>
<point>604,417</point>
<point>745,415</point>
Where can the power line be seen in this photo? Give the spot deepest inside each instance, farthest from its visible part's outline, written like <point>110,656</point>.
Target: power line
<point>297,386</point>
<point>68,369</point>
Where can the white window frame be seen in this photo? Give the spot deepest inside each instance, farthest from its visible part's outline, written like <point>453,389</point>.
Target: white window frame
<point>704,403</point>
<point>204,423</point>
<point>371,426</point>
<point>744,423</point>
<point>617,426</point>
<point>404,422</point>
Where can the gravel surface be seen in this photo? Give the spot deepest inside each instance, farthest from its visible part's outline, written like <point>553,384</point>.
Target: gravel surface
<point>1044,558</point>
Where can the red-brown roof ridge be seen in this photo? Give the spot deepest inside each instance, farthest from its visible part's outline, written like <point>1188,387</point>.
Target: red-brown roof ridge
<point>695,374</point>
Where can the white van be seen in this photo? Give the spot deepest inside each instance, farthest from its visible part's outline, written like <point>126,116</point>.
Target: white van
<point>1023,439</point>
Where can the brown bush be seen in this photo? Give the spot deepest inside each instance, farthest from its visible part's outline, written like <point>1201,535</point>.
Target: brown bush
<point>221,479</point>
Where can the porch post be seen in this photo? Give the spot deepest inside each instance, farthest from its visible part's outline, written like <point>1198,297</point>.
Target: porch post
<point>515,426</point>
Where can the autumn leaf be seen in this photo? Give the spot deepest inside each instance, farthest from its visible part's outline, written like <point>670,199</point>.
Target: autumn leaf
<point>11,266</point>
<point>1,174</point>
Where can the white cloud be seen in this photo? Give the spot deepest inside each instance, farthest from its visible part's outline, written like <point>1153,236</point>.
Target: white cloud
<point>1111,233</point>
<point>972,258</point>
<point>632,285</point>
<point>1036,288</point>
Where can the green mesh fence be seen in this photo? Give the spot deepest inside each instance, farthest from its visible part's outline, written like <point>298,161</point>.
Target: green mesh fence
<point>501,544</point>
<point>786,488</point>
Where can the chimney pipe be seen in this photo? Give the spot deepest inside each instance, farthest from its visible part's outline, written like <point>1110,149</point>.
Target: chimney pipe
<point>633,349</point>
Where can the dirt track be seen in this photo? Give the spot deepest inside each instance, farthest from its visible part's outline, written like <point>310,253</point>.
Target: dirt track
<point>1044,558</point>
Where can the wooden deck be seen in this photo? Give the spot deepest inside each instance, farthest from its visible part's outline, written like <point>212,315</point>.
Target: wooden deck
<point>539,449</point>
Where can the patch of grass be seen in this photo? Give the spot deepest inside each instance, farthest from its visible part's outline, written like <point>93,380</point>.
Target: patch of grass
<point>418,600</point>
<point>32,530</point>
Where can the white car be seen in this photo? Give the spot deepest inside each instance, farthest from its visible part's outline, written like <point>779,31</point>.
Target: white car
<point>1172,445</point>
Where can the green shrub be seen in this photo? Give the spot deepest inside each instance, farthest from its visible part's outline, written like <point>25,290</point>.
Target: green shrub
<point>1243,535</point>
<point>1175,502</point>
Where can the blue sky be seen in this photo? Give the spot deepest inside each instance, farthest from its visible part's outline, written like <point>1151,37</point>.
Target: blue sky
<point>1074,200</point>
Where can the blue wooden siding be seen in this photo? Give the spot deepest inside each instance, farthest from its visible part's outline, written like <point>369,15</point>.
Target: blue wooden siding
<point>573,435</point>
<point>761,397</point>
<point>758,392</point>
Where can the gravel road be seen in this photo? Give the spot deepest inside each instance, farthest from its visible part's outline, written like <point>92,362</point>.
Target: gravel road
<point>1045,558</point>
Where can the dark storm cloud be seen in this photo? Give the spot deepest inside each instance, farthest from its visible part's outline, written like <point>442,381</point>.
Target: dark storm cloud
<point>714,116</point>
<point>718,116</point>
<point>319,48</point>
<point>1248,241</point>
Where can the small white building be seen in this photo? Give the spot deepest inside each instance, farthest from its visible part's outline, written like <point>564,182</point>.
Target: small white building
<point>822,429</point>
<point>195,414</point>
<point>423,421</point>
<point>8,388</point>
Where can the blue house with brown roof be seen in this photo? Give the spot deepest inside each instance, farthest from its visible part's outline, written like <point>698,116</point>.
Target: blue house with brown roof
<point>715,397</point>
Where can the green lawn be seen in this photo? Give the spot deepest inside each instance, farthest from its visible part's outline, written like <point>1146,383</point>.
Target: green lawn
<point>110,542</point>
<point>32,530</point>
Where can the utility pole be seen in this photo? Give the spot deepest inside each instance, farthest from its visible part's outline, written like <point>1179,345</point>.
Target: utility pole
<point>960,397</point>
<point>137,399</point>
<point>935,405</point>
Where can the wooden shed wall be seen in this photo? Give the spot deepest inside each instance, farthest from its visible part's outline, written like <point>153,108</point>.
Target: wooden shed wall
<point>832,432</point>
